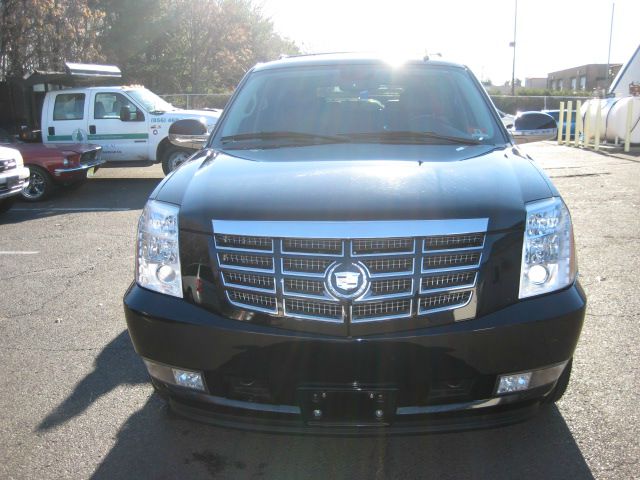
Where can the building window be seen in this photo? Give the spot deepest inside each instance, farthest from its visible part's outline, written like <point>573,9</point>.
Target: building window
<point>560,85</point>
<point>573,83</point>
<point>583,82</point>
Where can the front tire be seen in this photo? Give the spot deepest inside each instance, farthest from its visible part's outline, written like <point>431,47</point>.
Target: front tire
<point>40,185</point>
<point>173,157</point>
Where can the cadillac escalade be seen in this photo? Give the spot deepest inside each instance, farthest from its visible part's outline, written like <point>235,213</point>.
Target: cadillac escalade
<point>359,247</point>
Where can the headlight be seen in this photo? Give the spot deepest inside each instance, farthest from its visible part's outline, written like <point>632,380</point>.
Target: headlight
<point>158,258</point>
<point>548,252</point>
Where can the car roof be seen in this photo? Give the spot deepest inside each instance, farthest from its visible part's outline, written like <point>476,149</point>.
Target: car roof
<point>350,58</point>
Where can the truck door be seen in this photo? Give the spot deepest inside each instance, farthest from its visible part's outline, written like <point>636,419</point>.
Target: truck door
<point>66,118</point>
<point>119,126</point>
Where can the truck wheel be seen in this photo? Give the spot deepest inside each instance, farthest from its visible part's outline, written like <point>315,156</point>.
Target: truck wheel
<point>561,385</point>
<point>40,185</point>
<point>7,203</point>
<point>173,157</point>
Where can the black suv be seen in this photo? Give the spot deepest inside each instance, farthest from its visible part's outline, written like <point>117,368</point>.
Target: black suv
<point>359,247</point>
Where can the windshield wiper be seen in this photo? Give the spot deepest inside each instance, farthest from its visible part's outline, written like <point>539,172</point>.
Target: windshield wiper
<point>283,135</point>
<point>413,137</point>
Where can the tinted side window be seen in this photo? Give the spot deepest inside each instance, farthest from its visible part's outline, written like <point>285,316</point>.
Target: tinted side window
<point>69,106</point>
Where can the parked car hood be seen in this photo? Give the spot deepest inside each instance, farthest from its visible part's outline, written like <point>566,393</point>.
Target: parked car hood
<point>360,182</point>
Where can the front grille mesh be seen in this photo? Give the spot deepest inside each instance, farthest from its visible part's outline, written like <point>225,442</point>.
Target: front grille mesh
<point>313,309</point>
<point>249,280</point>
<point>406,277</point>
<point>394,308</point>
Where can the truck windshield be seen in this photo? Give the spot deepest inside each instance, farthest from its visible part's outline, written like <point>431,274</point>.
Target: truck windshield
<point>414,104</point>
<point>150,101</point>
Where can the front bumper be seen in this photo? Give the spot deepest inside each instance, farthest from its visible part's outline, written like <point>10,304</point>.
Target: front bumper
<point>69,172</point>
<point>439,378</point>
<point>13,181</point>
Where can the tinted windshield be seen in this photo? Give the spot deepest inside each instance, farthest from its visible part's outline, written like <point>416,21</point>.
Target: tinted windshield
<point>150,101</point>
<point>358,103</point>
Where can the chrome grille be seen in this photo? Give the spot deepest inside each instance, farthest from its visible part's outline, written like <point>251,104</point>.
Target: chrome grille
<point>246,261</point>
<point>306,265</point>
<point>251,280</point>
<point>389,265</point>
<point>7,164</point>
<point>391,287</point>
<point>444,300</point>
<point>446,242</point>
<point>406,276</point>
<point>448,281</point>
<point>381,310</point>
<point>314,310</point>
<point>312,245</point>
<point>450,261</point>
<point>304,286</point>
<point>367,246</point>
<point>258,302</point>
<point>244,242</point>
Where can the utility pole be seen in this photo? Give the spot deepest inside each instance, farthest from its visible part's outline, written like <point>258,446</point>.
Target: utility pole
<point>513,44</point>
<point>613,8</point>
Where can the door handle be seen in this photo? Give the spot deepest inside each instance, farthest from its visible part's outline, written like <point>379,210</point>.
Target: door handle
<point>52,130</point>
<point>92,129</point>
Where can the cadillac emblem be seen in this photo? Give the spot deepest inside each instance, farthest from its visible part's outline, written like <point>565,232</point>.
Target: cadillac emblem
<point>347,280</point>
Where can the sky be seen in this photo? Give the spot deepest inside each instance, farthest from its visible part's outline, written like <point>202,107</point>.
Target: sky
<point>551,34</point>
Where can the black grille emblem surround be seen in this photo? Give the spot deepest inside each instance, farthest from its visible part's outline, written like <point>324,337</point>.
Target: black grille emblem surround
<point>347,280</point>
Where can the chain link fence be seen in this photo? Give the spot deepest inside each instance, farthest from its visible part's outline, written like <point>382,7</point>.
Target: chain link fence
<point>513,104</point>
<point>506,103</point>
<point>197,101</point>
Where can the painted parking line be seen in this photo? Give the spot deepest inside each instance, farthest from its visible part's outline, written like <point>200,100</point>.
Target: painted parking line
<point>9,252</point>
<point>74,209</point>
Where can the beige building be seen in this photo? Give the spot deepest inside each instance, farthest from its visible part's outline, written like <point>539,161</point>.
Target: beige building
<point>583,78</point>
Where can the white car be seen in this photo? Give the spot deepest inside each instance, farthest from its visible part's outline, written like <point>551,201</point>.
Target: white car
<point>14,176</point>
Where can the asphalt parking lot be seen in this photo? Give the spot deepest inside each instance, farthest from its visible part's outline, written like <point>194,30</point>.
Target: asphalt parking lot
<point>74,397</point>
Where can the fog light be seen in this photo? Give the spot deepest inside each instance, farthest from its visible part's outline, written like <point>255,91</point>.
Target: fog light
<point>188,379</point>
<point>176,376</point>
<point>517,382</point>
<point>514,383</point>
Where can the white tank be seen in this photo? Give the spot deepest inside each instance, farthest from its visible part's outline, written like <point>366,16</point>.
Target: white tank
<point>613,120</point>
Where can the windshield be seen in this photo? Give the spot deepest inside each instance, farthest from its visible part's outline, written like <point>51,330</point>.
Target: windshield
<point>358,104</point>
<point>150,101</point>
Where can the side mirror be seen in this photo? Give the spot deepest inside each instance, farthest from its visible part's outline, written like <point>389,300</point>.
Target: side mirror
<point>189,133</point>
<point>125,114</point>
<point>534,127</point>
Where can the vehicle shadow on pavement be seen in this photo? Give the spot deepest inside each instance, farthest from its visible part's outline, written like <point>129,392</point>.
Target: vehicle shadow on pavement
<point>99,194</point>
<point>155,443</point>
<point>117,364</point>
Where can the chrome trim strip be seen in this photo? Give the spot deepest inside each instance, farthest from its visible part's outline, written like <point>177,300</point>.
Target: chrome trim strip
<point>236,249</point>
<point>443,309</point>
<point>244,269</point>
<point>251,307</point>
<point>261,407</point>
<point>381,318</point>
<point>311,317</point>
<point>445,250</point>
<point>448,289</point>
<point>474,266</point>
<point>84,166</point>
<point>489,402</point>
<point>246,287</point>
<point>350,229</point>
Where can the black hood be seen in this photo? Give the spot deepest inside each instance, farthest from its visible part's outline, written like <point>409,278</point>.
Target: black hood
<point>360,182</point>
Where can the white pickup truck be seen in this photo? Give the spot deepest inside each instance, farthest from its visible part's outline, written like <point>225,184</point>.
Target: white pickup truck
<point>131,123</point>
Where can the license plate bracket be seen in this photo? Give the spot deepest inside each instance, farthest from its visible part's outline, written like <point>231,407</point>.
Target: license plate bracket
<point>336,406</point>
